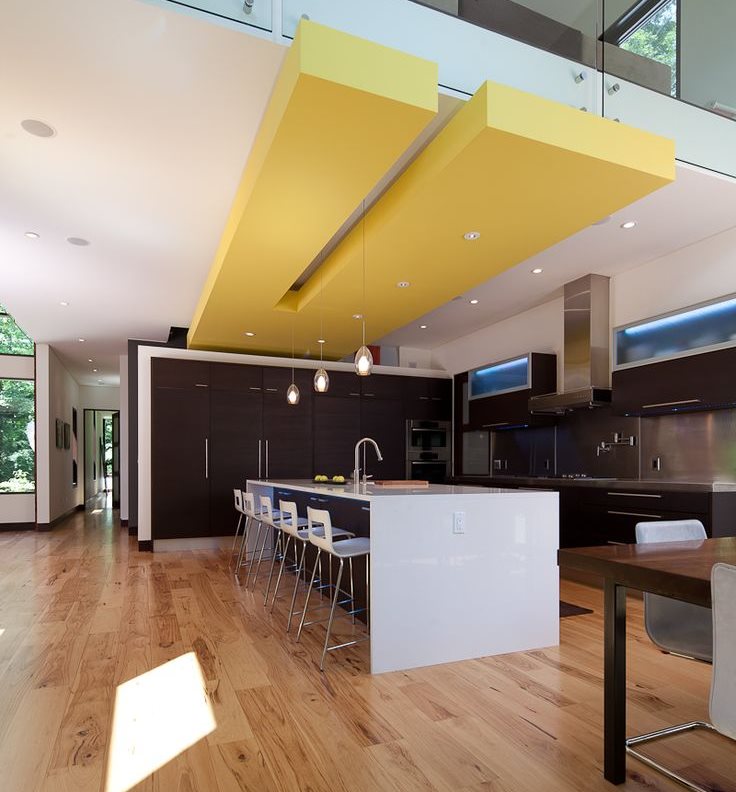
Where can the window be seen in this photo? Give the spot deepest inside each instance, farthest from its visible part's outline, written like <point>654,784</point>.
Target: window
<point>17,435</point>
<point>649,29</point>
<point>13,341</point>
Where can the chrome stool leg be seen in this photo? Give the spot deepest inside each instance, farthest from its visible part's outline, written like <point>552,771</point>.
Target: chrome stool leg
<point>235,540</point>
<point>352,586</point>
<point>283,549</point>
<point>309,591</point>
<point>257,566</point>
<point>243,548</point>
<point>332,615</point>
<point>296,586</point>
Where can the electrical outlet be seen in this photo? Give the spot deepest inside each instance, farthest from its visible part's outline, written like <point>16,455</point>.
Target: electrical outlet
<point>458,522</point>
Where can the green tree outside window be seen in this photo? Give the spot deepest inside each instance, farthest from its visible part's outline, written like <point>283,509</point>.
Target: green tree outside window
<point>13,341</point>
<point>656,39</point>
<point>17,435</point>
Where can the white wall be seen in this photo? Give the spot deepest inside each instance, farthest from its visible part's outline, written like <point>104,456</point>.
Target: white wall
<point>99,397</point>
<point>694,274</point>
<point>123,437</point>
<point>537,330</point>
<point>57,392</point>
<point>19,508</point>
<point>700,272</point>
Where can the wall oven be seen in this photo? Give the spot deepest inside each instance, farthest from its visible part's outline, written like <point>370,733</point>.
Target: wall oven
<point>428,450</point>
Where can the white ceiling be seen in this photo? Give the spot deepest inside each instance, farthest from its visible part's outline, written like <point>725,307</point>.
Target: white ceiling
<point>697,205</point>
<point>156,112</point>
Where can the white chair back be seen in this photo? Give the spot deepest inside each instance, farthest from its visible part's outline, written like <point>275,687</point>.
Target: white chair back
<point>238,498</point>
<point>267,510</point>
<point>320,518</point>
<point>675,626</point>
<point>289,517</point>
<point>723,684</point>
<point>249,504</point>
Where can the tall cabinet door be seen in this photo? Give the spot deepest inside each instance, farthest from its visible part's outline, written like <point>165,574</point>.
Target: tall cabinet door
<point>287,429</point>
<point>383,420</point>
<point>236,418</point>
<point>179,449</point>
<point>336,431</point>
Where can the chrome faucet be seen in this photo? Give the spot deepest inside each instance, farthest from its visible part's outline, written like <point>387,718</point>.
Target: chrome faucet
<point>356,470</point>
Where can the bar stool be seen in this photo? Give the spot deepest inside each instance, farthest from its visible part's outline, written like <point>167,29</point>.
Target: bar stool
<point>289,523</point>
<point>268,519</point>
<point>249,511</point>
<point>238,499</point>
<point>294,528</point>
<point>359,546</point>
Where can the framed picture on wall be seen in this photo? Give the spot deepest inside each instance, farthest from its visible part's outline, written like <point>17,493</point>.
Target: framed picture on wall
<point>59,433</point>
<point>67,435</point>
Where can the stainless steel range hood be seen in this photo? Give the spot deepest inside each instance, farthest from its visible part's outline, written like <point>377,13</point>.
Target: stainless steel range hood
<point>586,366</point>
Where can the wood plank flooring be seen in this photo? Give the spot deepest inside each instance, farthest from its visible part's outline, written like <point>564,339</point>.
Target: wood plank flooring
<point>82,612</point>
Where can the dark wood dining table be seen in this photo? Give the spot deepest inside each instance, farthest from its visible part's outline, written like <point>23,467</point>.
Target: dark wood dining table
<point>674,569</point>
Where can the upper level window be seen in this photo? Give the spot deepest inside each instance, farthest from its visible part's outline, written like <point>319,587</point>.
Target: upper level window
<point>13,341</point>
<point>17,435</point>
<point>649,29</point>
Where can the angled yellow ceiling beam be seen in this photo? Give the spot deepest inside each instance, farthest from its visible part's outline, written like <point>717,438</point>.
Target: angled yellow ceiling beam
<point>342,112</point>
<point>523,171</point>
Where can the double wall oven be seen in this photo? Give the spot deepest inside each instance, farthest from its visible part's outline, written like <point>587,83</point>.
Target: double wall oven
<point>428,450</point>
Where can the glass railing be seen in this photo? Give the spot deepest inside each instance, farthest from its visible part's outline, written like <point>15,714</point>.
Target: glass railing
<point>254,13</point>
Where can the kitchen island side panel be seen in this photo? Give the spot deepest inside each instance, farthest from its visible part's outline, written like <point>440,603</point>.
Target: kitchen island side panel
<point>439,596</point>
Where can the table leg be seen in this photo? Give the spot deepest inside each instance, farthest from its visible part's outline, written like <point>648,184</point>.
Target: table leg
<point>614,720</point>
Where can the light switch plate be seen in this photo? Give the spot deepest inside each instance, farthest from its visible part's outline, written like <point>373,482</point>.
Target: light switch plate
<point>458,522</point>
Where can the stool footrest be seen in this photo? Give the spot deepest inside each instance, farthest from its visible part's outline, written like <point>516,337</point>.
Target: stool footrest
<point>349,643</point>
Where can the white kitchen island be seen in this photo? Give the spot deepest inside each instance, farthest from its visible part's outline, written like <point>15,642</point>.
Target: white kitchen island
<point>456,572</point>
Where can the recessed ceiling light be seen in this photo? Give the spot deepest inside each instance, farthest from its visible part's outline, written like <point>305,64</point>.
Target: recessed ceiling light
<point>89,360</point>
<point>99,382</point>
<point>78,241</point>
<point>357,316</point>
<point>471,235</point>
<point>81,340</point>
<point>64,304</point>
<point>31,235</point>
<point>38,128</point>
<point>474,302</point>
<point>320,340</point>
<point>95,370</point>
<point>403,284</point>
<point>537,271</point>
<point>629,224</point>
<point>422,327</point>
<point>249,334</point>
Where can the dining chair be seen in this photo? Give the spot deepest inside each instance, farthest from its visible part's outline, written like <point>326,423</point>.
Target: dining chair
<point>676,627</point>
<point>722,707</point>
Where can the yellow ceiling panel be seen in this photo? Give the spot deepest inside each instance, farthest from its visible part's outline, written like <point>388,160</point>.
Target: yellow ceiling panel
<point>343,110</point>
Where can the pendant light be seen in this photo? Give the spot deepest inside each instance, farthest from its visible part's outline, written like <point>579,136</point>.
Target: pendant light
<point>363,357</point>
<point>321,377</point>
<point>292,392</point>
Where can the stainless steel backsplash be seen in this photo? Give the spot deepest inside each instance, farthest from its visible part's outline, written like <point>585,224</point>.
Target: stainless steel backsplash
<point>690,447</point>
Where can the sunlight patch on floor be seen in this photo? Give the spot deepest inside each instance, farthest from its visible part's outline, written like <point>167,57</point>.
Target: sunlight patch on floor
<point>157,716</point>
<point>96,511</point>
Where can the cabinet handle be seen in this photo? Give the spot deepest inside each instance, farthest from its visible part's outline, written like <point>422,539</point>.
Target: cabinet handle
<point>671,404</point>
<point>635,495</point>
<point>253,388</point>
<point>635,514</point>
<point>437,398</point>
<point>200,385</point>
<point>498,423</point>
<point>365,508</point>
<point>369,394</point>
<point>354,394</point>
<point>266,460</point>
<point>272,390</point>
<point>259,460</point>
<point>206,457</point>
<point>319,500</point>
<point>424,398</point>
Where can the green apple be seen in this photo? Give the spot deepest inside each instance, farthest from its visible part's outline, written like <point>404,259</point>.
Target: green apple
<point>339,479</point>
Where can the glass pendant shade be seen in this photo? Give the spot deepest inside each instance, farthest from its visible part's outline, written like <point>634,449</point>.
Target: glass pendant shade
<point>292,394</point>
<point>363,361</point>
<point>321,380</point>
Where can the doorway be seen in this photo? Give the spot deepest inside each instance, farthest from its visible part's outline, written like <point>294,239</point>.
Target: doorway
<point>102,459</point>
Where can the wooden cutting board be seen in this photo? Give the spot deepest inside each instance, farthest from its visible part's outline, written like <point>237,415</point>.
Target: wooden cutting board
<point>401,483</point>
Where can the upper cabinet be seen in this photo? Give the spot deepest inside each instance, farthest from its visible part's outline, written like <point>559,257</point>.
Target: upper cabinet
<point>678,361</point>
<point>498,393</point>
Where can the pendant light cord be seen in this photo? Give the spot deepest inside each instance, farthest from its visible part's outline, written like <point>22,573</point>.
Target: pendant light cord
<point>363,271</point>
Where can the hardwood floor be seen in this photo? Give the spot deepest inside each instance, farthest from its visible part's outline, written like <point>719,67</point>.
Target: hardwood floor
<point>82,612</point>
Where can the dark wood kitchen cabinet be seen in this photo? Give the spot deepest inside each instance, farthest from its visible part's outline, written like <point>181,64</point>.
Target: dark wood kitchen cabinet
<point>383,420</point>
<point>180,425</point>
<point>427,398</point>
<point>336,430</point>
<point>287,429</point>
<point>695,382</point>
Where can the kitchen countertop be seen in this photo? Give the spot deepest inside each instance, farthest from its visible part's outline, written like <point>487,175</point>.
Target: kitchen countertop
<point>601,483</point>
<point>366,492</point>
